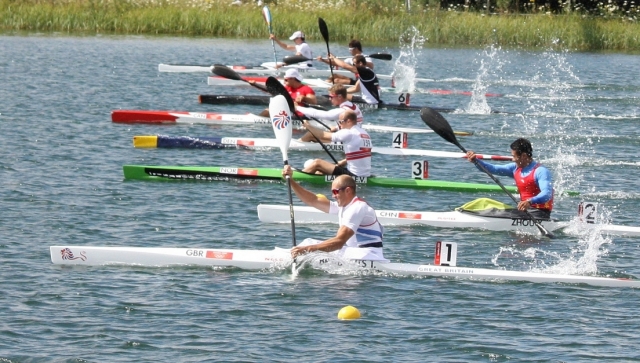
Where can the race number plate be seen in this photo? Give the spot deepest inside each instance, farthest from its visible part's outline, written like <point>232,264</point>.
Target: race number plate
<point>400,140</point>
<point>588,212</point>
<point>420,169</point>
<point>446,254</point>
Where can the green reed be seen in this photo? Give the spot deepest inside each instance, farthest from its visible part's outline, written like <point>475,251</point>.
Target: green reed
<point>377,22</point>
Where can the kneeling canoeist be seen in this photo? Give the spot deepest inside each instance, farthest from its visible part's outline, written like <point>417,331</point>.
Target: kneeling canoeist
<point>357,148</point>
<point>359,236</point>
<point>533,180</point>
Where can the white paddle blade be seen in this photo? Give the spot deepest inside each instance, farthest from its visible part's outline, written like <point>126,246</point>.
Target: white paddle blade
<point>267,15</point>
<point>281,122</point>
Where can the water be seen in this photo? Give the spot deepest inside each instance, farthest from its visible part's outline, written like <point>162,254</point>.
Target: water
<point>62,183</point>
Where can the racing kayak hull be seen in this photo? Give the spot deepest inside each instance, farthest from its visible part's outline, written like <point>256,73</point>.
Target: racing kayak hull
<point>185,142</point>
<point>216,173</point>
<point>281,258</point>
<point>213,118</point>
<point>269,213</point>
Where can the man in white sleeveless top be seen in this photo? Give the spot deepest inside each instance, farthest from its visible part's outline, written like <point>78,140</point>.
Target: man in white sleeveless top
<point>359,235</point>
<point>338,97</point>
<point>300,48</point>
<point>356,144</point>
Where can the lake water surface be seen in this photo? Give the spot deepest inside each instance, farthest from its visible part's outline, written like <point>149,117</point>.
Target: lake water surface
<point>62,183</point>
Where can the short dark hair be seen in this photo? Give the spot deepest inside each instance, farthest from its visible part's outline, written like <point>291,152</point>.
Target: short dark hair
<point>522,146</point>
<point>355,44</point>
<point>360,59</point>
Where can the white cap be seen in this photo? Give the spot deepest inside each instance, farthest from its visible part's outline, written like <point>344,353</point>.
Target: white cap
<point>293,73</point>
<point>297,34</point>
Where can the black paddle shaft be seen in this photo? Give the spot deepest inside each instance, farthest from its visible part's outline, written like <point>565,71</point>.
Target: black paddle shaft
<point>441,126</point>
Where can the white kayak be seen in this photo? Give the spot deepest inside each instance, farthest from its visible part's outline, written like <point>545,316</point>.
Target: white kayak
<point>266,69</point>
<point>311,82</point>
<point>323,84</point>
<point>281,258</point>
<point>213,118</point>
<point>269,213</point>
<point>163,141</point>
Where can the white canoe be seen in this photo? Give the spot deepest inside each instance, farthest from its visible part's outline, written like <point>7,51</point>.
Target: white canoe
<point>162,141</point>
<point>280,258</point>
<point>213,118</point>
<point>269,213</point>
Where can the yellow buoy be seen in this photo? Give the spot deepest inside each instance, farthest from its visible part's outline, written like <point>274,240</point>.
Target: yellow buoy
<point>321,196</point>
<point>349,313</point>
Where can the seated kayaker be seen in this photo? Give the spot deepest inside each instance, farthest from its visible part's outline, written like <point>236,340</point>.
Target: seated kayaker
<point>338,97</point>
<point>359,236</point>
<point>357,148</point>
<point>300,93</point>
<point>355,48</point>
<point>367,81</point>
<point>300,48</point>
<point>533,180</point>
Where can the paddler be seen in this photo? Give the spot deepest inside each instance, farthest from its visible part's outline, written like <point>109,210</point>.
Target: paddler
<point>338,97</point>
<point>533,180</point>
<point>300,93</point>
<point>357,148</point>
<point>355,48</point>
<point>359,236</point>
<point>300,48</point>
<point>367,81</point>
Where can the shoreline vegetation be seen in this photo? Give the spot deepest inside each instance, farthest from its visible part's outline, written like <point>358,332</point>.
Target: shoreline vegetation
<point>377,22</point>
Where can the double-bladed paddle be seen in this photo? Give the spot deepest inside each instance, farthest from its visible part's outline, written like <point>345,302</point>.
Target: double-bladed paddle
<point>380,56</point>
<point>273,85</point>
<point>276,88</point>
<point>325,35</point>
<point>226,72</point>
<point>441,126</point>
<point>293,59</point>
<point>281,121</point>
<point>266,14</point>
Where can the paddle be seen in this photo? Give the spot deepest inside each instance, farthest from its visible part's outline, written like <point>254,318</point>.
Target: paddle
<point>226,72</point>
<point>293,59</point>
<point>274,86</point>
<point>325,34</point>
<point>267,17</point>
<point>381,56</point>
<point>441,126</point>
<point>280,114</point>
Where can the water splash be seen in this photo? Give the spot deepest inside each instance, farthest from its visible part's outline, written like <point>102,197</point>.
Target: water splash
<point>490,64</point>
<point>404,69</point>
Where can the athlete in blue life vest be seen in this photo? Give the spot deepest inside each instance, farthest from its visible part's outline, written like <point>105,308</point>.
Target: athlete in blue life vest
<point>533,180</point>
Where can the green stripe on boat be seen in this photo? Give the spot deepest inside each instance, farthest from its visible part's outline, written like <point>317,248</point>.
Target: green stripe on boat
<point>142,172</point>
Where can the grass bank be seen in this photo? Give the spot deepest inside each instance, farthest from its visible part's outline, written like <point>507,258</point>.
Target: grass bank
<point>377,24</point>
